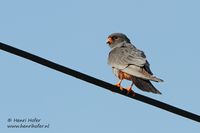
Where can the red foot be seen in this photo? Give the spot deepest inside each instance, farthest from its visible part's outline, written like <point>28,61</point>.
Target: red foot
<point>120,87</point>
<point>130,91</point>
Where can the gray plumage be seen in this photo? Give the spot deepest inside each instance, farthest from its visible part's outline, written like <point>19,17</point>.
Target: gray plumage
<point>127,58</point>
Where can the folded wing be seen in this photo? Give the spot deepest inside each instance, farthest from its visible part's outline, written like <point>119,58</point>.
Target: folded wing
<point>131,61</point>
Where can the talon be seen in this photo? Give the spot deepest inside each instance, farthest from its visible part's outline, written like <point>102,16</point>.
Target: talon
<point>129,90</point>
<point>120,87</point>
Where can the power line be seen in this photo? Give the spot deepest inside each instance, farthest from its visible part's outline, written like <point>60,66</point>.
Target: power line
<point>98,82</point>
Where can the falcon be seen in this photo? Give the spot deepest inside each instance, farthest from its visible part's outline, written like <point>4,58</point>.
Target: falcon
<point>130,63</point>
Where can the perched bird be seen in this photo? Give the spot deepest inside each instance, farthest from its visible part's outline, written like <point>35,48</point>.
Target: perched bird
<point>130,63</point>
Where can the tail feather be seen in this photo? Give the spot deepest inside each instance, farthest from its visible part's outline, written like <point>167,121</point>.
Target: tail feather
<point>145,85</point>
<point>154,78</point>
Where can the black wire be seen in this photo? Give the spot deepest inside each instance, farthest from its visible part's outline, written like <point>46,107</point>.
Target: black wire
<point>98,82</point>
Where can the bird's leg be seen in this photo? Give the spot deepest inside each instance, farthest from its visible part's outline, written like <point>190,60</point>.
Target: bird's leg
<point>129,90</point>
<point>119,85</point>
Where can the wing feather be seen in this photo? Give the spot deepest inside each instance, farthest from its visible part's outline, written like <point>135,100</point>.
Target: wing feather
<point>132,61</point>
<point>121,57</point>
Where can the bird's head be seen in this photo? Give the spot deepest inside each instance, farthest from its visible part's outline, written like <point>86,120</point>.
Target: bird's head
<point>116,39</point>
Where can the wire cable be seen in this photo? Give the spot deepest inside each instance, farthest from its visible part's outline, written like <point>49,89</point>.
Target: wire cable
<point>98,82</point>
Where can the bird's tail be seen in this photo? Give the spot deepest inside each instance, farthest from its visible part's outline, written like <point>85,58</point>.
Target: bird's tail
<point>145,85</point>
<point>154,78</point>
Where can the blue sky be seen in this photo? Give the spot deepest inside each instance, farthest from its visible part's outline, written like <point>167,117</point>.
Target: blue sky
<point>73,33</point>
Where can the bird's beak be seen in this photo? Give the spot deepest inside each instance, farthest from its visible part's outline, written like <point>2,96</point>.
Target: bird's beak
<point>109,40</point>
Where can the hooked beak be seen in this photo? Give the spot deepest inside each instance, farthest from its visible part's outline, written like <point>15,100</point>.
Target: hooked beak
<point>109,40</point>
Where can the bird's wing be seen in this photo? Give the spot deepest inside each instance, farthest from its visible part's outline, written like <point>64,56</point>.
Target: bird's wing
<point>147,68</point>
<point>132,61</point>
<point>121,57</point>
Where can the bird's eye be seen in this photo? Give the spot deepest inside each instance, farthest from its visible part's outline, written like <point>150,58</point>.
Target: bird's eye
<point>115,37</point>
